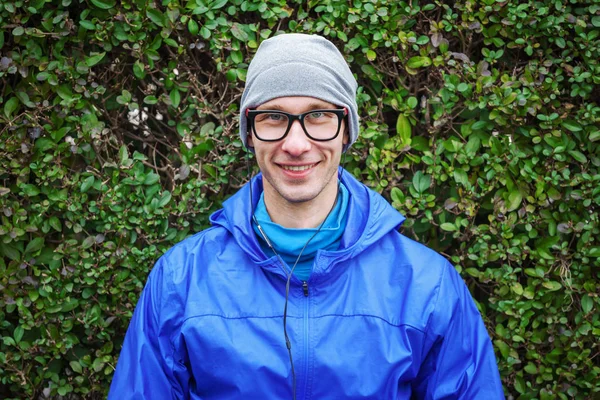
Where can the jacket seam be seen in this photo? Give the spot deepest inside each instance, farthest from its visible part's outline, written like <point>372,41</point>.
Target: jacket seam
<point>371,316</point>
<point>247,317</point>
<point>315,317</point>
<point>437,297</point>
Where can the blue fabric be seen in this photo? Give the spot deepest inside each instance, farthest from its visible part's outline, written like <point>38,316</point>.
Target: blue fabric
<point>288,242</point>
<point>385,318</point>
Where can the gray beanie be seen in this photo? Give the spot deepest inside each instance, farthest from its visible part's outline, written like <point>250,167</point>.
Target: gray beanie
<point>300,65</point>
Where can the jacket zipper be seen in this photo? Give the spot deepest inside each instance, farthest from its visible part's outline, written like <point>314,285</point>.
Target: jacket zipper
<point>306,346</point>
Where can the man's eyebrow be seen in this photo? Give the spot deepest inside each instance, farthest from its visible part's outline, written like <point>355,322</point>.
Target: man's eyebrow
<point>270,107</point>
<point>310,106</point>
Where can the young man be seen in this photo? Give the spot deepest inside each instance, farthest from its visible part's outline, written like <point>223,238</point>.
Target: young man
<point>304,288</point>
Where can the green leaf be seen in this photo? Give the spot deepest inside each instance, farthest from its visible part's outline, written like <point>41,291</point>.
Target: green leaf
<point>552,285</point>
<point>104,4</point>
<point>155,16</point>
<point>8,251</point>
<point>397,195</point>
<point>412,102</point>
<point>193,26</point>
<point>165,198</point>
<point>18,31</point>
<point>88,242</point>
<point>123,155</point>
<point>218,4</point>
<point>138,70</point>
<point>239,33</point>
<point>460,176</point>
<point>55,223</point>
<point>371,55</point>
<point>76,367</point>
<point>404,130</point>
<point>24,97</point>
<point>587,304</point>
<point>30,190</point>
<point>33,295</point>
<point>421,182</point>
<point>175,97</point>
<point>596,21</point>
<point>237,57</point>
<point>64,92</point>
<point>503,347</point>
<point>150,100</point>
<point>448,227</point>
<point>125,97</point>
<point>35,245</point>
<point>90,26</point>
<point>514,200</point>
<point>418,62</point>
<point>509,99</point>
<point>578,156</point>
<point>87,184</point>
<point>205,32</point>
<point>94,59</point>
<point>520,385</point>
<point>571,125</point>
<point>517,288</point>
<point>10,106</point>
<point>151,179</point>
<point>531,369</point>
<point>44,144</point>
<point>87,293</point>
<point>18,333</point>
<point>594,136</point>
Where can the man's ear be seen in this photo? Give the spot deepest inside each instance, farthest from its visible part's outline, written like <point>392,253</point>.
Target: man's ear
<point>346,136</point>
<point>250,140</point>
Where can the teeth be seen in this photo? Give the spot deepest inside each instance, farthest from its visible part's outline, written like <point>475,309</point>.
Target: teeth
<point>298,168</point>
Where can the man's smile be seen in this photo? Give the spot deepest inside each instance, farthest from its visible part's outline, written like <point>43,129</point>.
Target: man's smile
<point>297,168</point>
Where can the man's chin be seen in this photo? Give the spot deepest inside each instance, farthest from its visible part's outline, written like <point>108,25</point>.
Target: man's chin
<point>298,198</point>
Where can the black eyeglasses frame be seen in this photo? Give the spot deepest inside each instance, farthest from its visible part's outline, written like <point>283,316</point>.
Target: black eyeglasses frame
<point>251,114</point>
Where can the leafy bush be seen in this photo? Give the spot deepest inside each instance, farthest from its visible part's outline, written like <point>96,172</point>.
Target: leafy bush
<point>118,126</point>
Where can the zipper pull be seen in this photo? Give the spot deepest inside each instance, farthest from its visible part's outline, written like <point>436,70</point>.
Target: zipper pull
<point>305,288</point>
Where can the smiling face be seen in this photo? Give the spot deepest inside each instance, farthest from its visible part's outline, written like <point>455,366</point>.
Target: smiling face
<point>298,171</point>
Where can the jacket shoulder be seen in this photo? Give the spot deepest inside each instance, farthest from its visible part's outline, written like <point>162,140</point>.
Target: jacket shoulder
<point>179,258</point>
<point>422,258</point>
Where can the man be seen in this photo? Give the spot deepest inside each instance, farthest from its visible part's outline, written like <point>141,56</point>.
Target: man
<point>304,288</point>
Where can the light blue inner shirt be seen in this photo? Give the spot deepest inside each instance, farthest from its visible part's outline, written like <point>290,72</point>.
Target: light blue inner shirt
<point>288,242</point>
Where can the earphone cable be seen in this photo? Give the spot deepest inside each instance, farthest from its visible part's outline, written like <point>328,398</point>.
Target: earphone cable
<point>288,343</point>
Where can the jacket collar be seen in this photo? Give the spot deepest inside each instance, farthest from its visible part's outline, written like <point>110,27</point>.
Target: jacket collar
<point>370,217</point>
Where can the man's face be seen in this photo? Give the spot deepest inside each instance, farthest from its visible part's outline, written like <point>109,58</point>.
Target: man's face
<point>297,169</point>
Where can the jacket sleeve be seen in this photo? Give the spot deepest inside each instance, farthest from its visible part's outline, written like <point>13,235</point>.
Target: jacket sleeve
<point>147,368</point>
<point>459,358</point>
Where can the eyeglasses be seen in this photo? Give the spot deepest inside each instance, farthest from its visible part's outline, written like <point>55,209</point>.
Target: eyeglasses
<point>319,125</point>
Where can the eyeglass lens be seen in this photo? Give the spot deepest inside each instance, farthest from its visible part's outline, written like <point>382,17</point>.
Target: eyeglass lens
<point>321,125</point>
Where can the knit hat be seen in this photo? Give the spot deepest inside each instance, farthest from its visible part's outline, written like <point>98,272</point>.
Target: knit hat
<point>300,65</point>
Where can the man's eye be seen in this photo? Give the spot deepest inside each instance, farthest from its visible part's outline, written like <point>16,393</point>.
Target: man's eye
<point>316,115</point>
<point>275,117</point>
<point>270,117</point>
<point>319,117</point>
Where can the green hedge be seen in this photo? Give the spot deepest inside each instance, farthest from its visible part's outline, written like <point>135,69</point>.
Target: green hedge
<point>118,137</point>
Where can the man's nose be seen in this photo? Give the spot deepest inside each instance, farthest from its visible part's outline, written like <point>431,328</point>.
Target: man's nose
<point>296,142</point>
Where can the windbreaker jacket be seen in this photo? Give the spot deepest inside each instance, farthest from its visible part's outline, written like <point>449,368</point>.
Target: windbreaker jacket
<point>383,317</point>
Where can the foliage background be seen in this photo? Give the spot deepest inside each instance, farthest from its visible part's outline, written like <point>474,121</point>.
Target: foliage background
<point>118,138</point>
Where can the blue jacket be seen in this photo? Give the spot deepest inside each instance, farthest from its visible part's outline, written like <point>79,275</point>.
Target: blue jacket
<point>385,318</point>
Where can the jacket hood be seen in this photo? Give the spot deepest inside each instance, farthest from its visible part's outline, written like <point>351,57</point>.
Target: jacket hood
<point>370,217</point>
